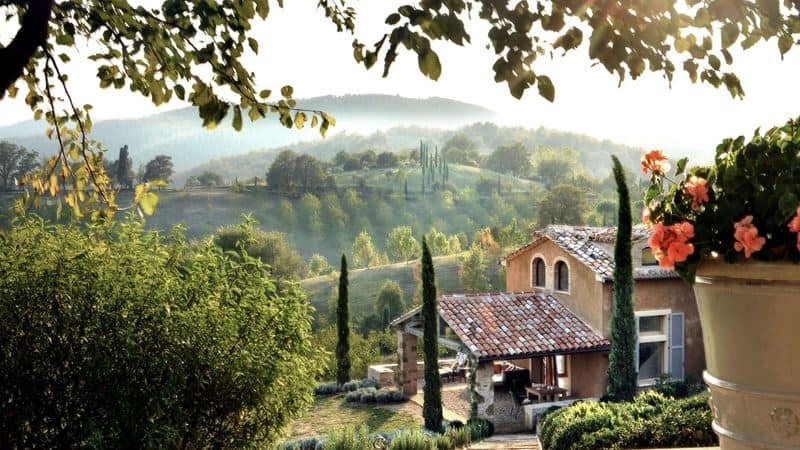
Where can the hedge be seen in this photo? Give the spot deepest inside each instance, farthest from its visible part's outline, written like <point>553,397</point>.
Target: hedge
<point>651,420</point>
<point>372,395</point>
<point>335,388</point>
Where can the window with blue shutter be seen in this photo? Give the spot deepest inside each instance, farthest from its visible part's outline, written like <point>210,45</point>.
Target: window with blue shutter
<point>676,346</point>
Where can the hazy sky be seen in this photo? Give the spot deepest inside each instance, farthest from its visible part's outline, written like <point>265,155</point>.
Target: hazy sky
<point>298,46</point>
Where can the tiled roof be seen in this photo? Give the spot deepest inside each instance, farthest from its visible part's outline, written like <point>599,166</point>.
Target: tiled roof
<point>583,244</point>
<point>525,324</point>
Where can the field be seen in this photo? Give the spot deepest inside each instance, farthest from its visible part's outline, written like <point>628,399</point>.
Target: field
<point>332,413</point>
<point>366,283</point>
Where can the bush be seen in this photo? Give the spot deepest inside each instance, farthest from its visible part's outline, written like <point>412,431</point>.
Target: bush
<point>302,444</point>
<point>348,438</point>
<point>371,395</point>
<point>112,336</point>
<point>480,429</point>
<point>411,440</point>
<point>679,389</point>
<point>651,420</point>
<point>443,442</point>
<point>335,388</point>
<point>460,436</point>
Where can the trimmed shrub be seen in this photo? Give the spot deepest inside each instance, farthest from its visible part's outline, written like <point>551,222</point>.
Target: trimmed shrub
<point>334,388</point>
<point>411,440</point>
<point>371,395</point>
<point>480,429</point>
<point>302,444</point>
<point>651,420</point>
<point>348,438</point>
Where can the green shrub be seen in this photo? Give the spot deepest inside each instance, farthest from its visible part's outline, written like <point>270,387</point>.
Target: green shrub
<point>460,436</point>
<point>348,438</point>
<point>302,444</point>
<point>651,420</point>
<point>411,440</point>
<point>443,442</point>
<point>115,337</point>
<point>335,388</point>
<point>480,429</point>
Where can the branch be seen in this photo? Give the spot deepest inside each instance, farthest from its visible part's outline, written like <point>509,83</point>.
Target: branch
<point>31,35</point>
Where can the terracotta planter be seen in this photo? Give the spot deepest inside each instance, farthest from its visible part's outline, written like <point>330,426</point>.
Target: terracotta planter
<point>750,314</point>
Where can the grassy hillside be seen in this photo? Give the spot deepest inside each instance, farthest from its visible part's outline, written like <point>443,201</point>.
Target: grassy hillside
<point>366,283</point>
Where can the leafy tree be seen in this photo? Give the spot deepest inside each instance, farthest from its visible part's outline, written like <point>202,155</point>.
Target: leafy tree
<point>209,178</point>
<point>363,250</point>
<point>564,204</point>
<point>432,392</point>
<point>343,328</point>
<point>112,336</point>
<point>389,303</point>
<point>332,212</point>
<point>553,167</point>
<point>15,162</point>
<point>159,168</point>
<point>271,247</point>
<point>402,244</point>
<point>290,171</point>
<point>460,149</point>
<point>621,367</point>
<point>124,168</point>
<point>606,209</point>
<point>512,235</point>
<point>318,265</point>
<point>310,209</point>
<point>368,159</point>
<point>386,160</point>
<point>286,214</point>
<point>472,270</point>
<point>511,158</point>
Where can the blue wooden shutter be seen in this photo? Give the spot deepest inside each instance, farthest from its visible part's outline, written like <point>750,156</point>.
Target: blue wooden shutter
<point>676,341</point>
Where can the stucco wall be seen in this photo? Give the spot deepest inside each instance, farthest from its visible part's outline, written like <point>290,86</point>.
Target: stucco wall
<point>585,293</point>
<point>677,296</point>
<point>588,374</point>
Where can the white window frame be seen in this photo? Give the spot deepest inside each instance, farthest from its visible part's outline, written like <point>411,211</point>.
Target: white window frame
<point>653,337</point>
<point>533,271</point>
<point>555,276</point>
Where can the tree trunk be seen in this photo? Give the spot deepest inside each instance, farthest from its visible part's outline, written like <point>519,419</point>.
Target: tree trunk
<point>31,35</point>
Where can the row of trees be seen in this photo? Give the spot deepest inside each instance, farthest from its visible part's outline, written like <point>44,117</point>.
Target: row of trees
<point>15,163</point>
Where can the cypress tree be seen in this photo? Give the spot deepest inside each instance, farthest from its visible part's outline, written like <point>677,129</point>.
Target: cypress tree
<point>405,188</point>
<point>432,400</point>
<point>622,368</point>
<point>343,328</point>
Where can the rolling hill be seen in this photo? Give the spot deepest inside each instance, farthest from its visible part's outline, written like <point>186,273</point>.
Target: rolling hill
<point>180,134</point>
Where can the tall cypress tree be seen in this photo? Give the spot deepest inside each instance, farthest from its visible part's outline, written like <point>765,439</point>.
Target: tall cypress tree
<point>343,328</point>
<point>622,368</point>
<point>432,400</point>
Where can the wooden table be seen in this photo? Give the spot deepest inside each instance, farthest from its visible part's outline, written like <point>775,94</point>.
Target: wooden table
<point>545,392</point>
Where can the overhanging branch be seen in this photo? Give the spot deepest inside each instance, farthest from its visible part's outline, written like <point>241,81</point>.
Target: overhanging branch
<point>31,35</point>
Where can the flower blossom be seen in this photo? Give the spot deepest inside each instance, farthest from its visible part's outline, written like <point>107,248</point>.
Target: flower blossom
<point>696,188</point>
<point>655,161</point>
<point>670,243</point>
<point>794,226</point>
<point>747,238</point>
<point>646,216</point>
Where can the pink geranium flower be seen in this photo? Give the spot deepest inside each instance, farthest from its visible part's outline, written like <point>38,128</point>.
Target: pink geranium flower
<point>746,236</point>
<point>696,188</point>
<point>655,161</point>
<point>670,243</point>
<point>794,226</point>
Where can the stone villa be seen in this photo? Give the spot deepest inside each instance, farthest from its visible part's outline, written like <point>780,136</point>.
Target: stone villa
<point>548,336</point>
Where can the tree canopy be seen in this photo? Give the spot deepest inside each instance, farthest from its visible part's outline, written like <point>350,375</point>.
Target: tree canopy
<point>195,50</point>
<point>15,163</point>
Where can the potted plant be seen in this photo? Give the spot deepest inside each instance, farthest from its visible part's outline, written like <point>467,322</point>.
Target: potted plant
<point>732,229</point>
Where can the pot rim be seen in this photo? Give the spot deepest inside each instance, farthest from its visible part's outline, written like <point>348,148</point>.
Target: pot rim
<point>750,270</point>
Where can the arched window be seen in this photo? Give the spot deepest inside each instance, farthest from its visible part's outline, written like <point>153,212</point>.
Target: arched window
<point>648,259</point>
<point>537,272</point>
<point>562,276</point>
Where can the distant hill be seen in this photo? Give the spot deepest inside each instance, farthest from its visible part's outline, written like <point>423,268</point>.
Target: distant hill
<point>179,133</point>
<point>593,154</point>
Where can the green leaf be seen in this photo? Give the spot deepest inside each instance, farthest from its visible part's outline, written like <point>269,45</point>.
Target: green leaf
<point>730,32</point>
<point>179,91</point>
<point>253,44</point>
<point>787,204</point>
<point>287,91</point>
<point>681,45</point>
<point>148,203</point>
<point>237,118</point>
<point>546,88</point>
<point>680,166</point>
<point>265,93</point>
<point>429,64</point>
<point>714,62</point>
<point>299,119</point>
<point>393,19</point>
<point>785,43</point>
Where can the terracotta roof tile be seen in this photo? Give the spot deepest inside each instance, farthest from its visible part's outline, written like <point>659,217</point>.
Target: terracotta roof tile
<point>511,325</point>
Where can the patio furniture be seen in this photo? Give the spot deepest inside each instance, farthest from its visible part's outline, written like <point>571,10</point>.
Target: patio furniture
<point>545,392</point>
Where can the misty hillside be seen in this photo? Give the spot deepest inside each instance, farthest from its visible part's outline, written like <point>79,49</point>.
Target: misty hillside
<point>179,133</point>
<point>593,154</point>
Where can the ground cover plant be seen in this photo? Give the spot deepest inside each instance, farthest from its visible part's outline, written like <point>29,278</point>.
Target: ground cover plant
<point>113,336</point>
<point>652,420</point>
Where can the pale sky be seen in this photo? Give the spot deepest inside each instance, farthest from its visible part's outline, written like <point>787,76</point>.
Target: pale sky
<point>299,47</point>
